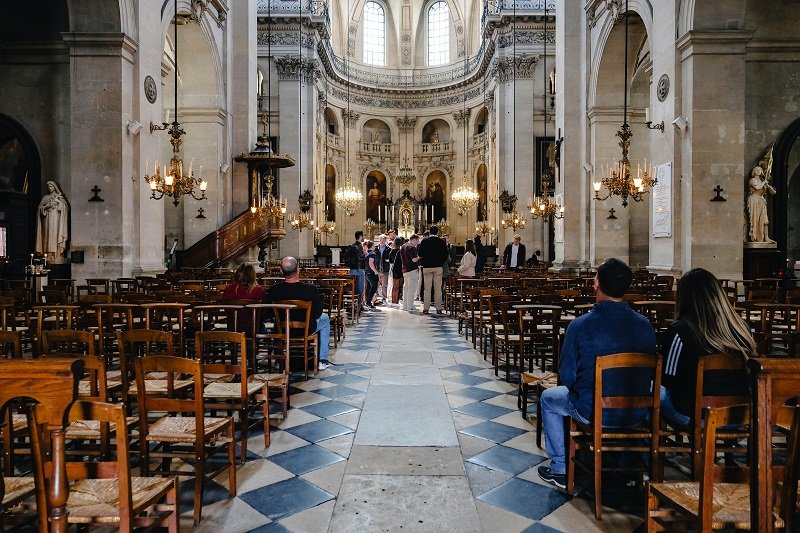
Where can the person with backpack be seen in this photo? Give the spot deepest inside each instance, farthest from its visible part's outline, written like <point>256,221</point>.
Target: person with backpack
<point>355,260</point>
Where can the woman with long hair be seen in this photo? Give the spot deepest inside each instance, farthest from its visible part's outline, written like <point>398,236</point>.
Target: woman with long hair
<point>371,273</point>
<point>468,261</point>
<point>705,324</point>
<point>244,289</point>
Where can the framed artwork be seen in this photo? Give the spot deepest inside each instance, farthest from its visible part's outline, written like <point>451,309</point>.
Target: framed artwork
<point>330,192</point>
<point>376,196</point>
<point>545,162</point>
<point>481,178</point>
<point>436,196</point>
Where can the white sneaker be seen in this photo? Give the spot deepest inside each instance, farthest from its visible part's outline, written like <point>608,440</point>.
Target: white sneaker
<point>323,365</point>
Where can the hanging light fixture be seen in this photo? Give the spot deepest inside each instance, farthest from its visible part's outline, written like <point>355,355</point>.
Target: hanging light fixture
<point>406,174</point>
<point>512,219</point>
<point>173,182</point>
<point>618,180</point>
<point>303,219</point>
<point>348,197</point>
<point>545,206</point>
<point>465,197</point>
<point>266,206</point>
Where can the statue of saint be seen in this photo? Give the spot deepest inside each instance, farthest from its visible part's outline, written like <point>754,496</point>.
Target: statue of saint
<point>52,224</point>
<point>757,206</point>
<point>436,136</point>
<point>376,137</point>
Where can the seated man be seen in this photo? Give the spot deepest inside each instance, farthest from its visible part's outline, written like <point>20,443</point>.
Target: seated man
<point>292,289</point>
<point>610,327</point>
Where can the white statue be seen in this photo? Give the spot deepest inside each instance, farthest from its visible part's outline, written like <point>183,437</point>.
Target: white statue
<point>757,206</point>
<point>52,224</point>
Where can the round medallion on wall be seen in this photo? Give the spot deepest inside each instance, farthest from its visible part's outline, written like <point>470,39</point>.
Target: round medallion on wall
<point>662,89</point>
<point>150,89</point>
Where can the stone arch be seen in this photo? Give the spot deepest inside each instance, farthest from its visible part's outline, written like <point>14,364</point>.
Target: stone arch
<point>373,127</point>
<point>354,19</point>
<point>431,127</point>
<point>481,122</point>
<point>331,121</point>
<point>785,151</point>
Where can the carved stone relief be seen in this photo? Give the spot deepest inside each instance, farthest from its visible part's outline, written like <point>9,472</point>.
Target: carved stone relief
<point>503,69</point>
<point>350,118</point>
<point>406,124</point>
<point>461,117</point>
<point>291,68</point>
<point>285,38</point>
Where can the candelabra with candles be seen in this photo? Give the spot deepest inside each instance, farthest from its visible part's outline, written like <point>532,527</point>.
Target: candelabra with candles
<point>545,206</point>
<point>369,227</point>
<point>511,219</point>
<point>173,182</point>
<point>619,180</point>
<point>271,208</point>
<point>444,227</point>
<point>303,219</point>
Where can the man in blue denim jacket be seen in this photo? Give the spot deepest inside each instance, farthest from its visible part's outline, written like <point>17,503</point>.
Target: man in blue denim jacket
<point>610,327</point>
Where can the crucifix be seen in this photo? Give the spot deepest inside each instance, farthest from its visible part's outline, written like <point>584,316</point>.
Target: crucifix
<point>611,215</point>
<point>96,198</point>
<point>718,198</point>
<point>200,213</point>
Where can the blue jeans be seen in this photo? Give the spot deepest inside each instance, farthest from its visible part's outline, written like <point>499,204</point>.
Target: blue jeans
<point>358,272</point>
<point>324,331</point>
<point>556,405</point>
<point>669,412</point>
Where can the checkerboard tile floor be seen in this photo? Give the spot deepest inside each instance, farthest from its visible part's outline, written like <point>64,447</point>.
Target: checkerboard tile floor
<point>293,485</point>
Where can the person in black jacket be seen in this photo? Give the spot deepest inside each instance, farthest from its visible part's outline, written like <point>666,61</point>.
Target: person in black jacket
<point>355,259</point>
<point>291,288</point>
<point>382,262</point>
<point>433,255</point>
<point>480,255</point>
<point>514,254</point>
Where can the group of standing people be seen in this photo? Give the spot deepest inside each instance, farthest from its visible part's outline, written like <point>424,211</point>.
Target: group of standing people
<point>399,270</point>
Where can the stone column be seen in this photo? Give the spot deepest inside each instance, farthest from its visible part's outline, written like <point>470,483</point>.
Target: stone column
<point>713,146</point>
<point>101,70</point>
<point>242,78</point>
<point>574,183</point>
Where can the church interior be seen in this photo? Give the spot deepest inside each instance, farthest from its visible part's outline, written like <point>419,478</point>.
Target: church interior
<point>148,148</point>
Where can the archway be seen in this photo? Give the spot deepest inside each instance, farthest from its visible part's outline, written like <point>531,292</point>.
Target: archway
<point>331,123</point>
<point>376,132</point>
<point>785,214</point>
<point>376,196</point>
<point>20,189</point>
<point>435,131</point>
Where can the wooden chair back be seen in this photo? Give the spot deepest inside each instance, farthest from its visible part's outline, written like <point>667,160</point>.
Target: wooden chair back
<point>68,341</point>
<point>299,327</point>
<point>50,317</point>
<point>53,384</point>
<point>776,383</point>
<point>168,317</point>
<point>137,343</point>
<point>10,344</point>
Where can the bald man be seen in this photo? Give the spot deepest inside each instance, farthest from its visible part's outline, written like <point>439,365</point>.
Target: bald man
<point>291,288</point>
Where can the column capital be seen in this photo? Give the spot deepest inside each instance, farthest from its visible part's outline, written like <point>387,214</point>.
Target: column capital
<point>100,44</point>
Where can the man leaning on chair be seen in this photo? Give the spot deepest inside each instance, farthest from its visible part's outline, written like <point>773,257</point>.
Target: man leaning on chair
<point>611,327</point>
<point>293,289</point>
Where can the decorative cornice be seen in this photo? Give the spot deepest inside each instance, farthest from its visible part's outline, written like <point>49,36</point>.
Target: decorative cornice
<point>505,39</point>
<point>397,102</point>
<point>285,38</point>
<point>503,69</point>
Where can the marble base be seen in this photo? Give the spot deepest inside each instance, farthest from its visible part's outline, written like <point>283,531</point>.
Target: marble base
<point>761,245</point>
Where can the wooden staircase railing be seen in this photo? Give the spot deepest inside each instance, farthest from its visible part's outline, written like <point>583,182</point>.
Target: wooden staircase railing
<point>231,240</point>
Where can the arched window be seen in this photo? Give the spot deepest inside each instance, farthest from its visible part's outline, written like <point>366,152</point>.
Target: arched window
<point>438,34</point>
<point>374,34</point>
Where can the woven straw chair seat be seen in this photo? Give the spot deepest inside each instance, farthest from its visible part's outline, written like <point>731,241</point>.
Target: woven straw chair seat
<point>233,391</point>
<point>19,422</point>
<point>85,387</point>
<point>97,500</point>
<point>90,429</point>
<point>159,386</point>
<point>509,338</point>
<point>181,429</point>
<point>546,379</point>
<point>17,488</point>
<point>731,502</point>
<point>273,379</point>
<point>636,432</point>
<point>214,378</point>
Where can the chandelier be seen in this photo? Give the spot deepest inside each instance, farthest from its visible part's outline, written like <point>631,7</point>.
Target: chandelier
<point>406,174</point>
<point>271,208</point>
<point>483,229</point>
<point>302,220</point>
<point>348,197</point>
<point>618,180</point>
<point>327,227</point>
<point>545,206</point>
<point>173,182</point>
<point>511,219</point>
<point>465,197</point>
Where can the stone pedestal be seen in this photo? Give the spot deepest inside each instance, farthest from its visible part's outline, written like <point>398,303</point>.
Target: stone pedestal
<point>762,262</point>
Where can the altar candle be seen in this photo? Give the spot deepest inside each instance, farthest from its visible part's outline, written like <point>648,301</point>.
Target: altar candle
<point>45,260</point>
<point>647,114</point>
<point>420,212</point>
<point>31,259</point>
<point>167,119</point>
<point>191,165</point>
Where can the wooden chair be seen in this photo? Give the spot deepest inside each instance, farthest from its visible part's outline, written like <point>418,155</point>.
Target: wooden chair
<point>238,395</point>
<point>53,317</point>
<point>277,350</point>
<point>302,338</point>
<point>169,317</point>
<point>598,439</point>
<point>53,384</point>
<point>10,344</point>
<point>193,438</point>
<point>776,383</point>
<point>723,498</point>
<point>671,440</point>
<point>104,492</point>
<point>503,332</point>
<point>101,285</point>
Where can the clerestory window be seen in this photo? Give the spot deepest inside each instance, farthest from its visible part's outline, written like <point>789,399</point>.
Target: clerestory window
<point>374,34</point>
<point>438,34</point>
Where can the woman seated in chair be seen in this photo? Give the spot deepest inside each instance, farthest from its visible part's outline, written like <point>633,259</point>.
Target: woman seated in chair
<point>705,323</point>
<point>242,290</point>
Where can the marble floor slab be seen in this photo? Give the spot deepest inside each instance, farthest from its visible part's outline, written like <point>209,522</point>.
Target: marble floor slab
<point>406,415</point>
<point>405,503</point>
<point>405,461</point>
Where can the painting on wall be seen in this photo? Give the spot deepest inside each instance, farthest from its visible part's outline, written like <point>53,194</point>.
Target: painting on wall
<point>481,179</point>
<point>330,192</point>
<point>545,162</point>
<point>435,196</point>
<point>376,196</point>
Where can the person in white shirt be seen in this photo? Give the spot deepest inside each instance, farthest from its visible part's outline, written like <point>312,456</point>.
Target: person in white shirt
<point>467,267</point>
<point>514,254</point>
